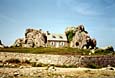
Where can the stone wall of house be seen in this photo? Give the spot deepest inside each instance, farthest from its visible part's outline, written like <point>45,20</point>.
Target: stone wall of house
<point>60,43</point>
<point>59,60</point>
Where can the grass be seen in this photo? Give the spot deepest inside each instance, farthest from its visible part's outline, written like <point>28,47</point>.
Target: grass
<point>41,50</point>
<point>58,51</point>
<point>93,66</point>
<point>103,52</point>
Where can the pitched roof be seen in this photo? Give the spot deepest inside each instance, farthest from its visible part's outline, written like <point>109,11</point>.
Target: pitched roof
<point>57,37</point>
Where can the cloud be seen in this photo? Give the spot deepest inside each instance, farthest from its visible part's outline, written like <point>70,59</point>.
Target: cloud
<point>109,2</point>
<point>87,7</point>
<point>80,7</point>
<point>6,18</point>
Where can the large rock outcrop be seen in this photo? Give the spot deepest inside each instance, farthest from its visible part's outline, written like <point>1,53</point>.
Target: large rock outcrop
<point>79,38</point>
<point>1,45</point>
<point>33,38</point>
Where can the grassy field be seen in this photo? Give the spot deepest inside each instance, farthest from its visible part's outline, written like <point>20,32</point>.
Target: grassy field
<point>42,50</point>
<point>60,51</point>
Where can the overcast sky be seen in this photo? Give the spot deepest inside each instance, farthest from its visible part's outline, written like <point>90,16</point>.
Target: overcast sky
<point>98,17</point>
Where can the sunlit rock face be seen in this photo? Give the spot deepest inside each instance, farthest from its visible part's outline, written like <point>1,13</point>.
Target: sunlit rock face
<point>33,38</point>
<point>78,37</point>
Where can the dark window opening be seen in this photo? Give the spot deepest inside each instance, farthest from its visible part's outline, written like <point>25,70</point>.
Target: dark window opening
<point>54,36</point>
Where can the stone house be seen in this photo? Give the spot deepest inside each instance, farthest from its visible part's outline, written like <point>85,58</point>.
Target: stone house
<point>56,40</point>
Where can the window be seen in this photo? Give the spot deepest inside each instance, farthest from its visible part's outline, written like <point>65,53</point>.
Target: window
<point>61,37</point>
<point>62,43</point>
<point>52,43</point>
<point>54,36</point>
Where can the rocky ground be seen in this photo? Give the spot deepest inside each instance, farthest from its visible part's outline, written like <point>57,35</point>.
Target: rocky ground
<point>54,72</point>
<point>14,65</point>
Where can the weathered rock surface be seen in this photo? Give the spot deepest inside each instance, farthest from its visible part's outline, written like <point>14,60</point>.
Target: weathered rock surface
<point>80,38</point>
<point>55,60</point>
<point>6,60</point>
<point>1,45</point>
<point>33,38</point>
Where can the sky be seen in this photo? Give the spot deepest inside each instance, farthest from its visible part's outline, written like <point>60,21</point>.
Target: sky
<point>98,17</point>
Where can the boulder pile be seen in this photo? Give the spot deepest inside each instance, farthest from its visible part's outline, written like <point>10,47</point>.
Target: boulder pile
<point>79,38</point>
<point>33,38</point>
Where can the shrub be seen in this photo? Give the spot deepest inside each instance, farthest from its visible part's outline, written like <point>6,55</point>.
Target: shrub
<point>92,65</point>
<point>13,60</point>
<point>101,51</point>
<point>35,64</point>
<point>70,35</point>
<point>66,66</point>
<point>27,61</point>
<point>40,65</point>
<point>1,65</point>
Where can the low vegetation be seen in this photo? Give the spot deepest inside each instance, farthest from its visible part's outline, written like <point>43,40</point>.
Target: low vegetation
<point>41,50</point>
<point>93,66</point>
<point>59,51</point>
<point>70,35</point>
<point>104,52</point>
<point>13,60</point>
